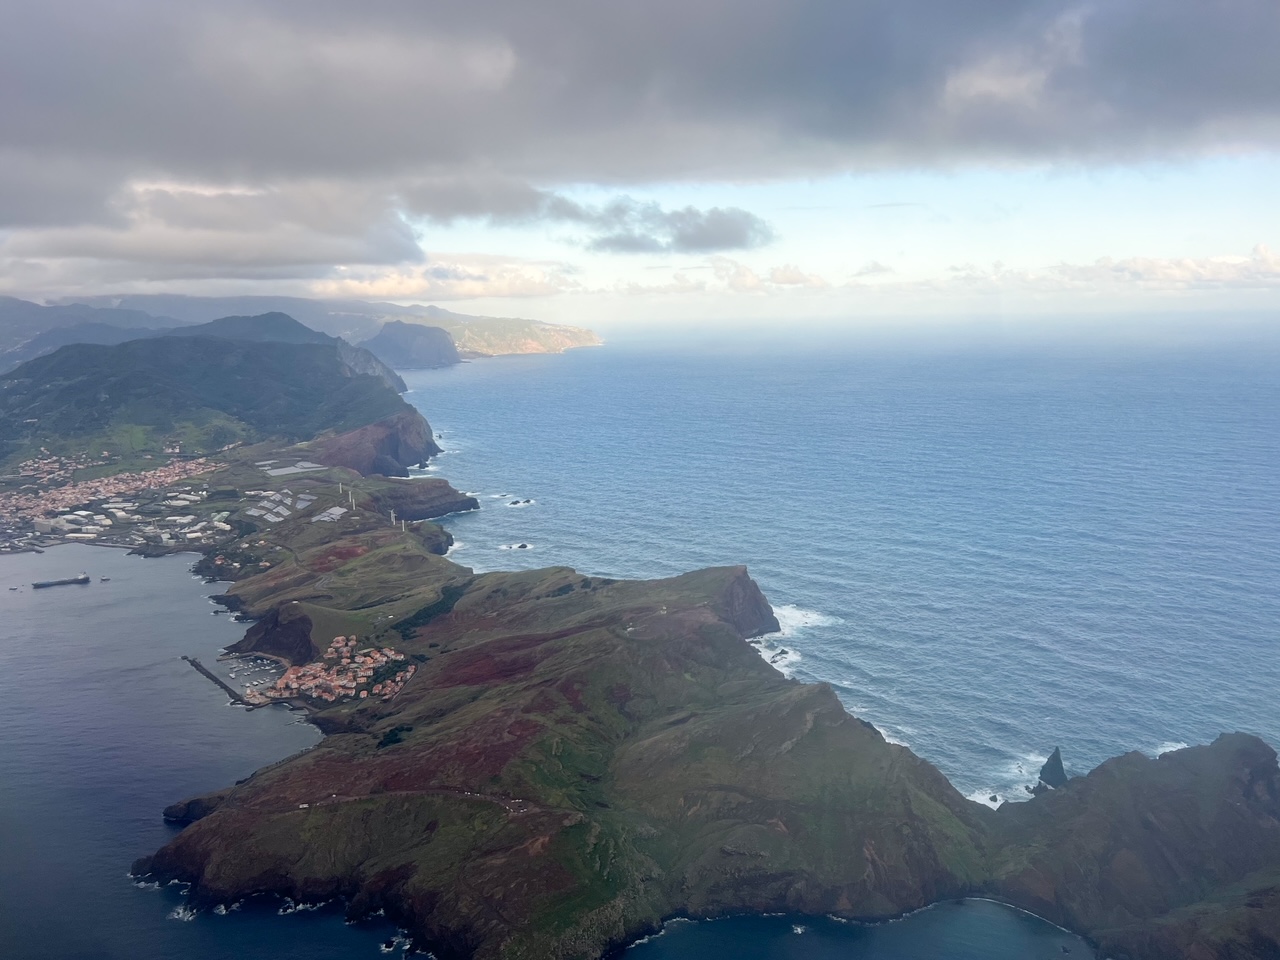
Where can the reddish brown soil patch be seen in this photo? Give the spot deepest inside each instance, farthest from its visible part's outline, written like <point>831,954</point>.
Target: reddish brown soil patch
<point>466,762</point>
<point>336,557</point>
<point>543,704</point>
<point>571,690</point>
<point>497,661</point>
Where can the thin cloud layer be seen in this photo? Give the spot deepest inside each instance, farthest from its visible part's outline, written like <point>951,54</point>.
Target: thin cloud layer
<point>175,138</point>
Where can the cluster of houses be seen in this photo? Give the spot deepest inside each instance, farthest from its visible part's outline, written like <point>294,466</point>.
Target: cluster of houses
<point>126,509</point>
<point>344,673</point>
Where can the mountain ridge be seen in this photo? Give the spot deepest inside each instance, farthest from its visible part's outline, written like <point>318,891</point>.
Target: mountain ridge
<point>199,393</point>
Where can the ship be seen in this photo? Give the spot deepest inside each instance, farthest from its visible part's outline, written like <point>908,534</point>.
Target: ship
<point>83,578</point>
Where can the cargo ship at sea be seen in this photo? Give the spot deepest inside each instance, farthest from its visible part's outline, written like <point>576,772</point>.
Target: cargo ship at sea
<point>83,578</point>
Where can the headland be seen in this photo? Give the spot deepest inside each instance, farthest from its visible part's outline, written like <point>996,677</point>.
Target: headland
<point>547,764</point>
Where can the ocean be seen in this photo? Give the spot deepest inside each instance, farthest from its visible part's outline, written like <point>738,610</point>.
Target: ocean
<point>987,553</point>
<point>104,726</point>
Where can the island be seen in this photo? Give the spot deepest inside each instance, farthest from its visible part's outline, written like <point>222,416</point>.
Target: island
<point>549,764</point>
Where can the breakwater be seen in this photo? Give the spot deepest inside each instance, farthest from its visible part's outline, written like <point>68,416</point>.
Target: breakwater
<point>230,691</point>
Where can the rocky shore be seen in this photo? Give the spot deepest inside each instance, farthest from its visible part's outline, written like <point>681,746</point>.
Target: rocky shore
<point>576,759</point>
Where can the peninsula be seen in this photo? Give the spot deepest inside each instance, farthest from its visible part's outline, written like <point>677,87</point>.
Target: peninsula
<point>547,764</point>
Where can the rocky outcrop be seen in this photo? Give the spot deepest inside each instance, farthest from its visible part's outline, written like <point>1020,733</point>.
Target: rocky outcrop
<point>284,632</point>
<point>743,606</point>
<point>1053,774</point>
<point>195,808</point>
<point>1139,848</point>
<point>388,447</point>
<point>577,758</point>
<point>363,361</point>
<point>412,346</point>
<point>421,499</point>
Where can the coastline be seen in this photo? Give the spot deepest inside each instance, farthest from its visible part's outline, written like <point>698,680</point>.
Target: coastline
<point>614,950</point>
<point>437,625</point>
<point>685,751</point>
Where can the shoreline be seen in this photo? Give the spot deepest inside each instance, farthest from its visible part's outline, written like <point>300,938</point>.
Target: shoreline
<point>305,559</point>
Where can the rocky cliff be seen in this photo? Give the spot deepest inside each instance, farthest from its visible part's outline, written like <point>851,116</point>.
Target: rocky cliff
<point>577,758</point>
<point>1177,856</point>
<point>412,346</point>
<point>388,447</point>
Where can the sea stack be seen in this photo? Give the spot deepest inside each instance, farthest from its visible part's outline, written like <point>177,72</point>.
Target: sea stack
<point>1052,773</point>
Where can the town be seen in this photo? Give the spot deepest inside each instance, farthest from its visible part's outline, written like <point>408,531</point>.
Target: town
<point>127,509</point>
<point>344,673</point>
<point>168,508</point>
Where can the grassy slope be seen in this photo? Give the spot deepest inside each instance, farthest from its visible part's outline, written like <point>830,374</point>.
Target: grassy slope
<point>577,758</point>
<point>131,398</point>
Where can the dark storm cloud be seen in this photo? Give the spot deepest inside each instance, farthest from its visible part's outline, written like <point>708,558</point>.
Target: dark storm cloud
<point>484,108</point>
<point>628,227</point>
<point>623,225</point>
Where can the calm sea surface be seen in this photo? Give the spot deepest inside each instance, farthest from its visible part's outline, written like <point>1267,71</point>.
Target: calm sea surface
<point>103,726</point>
<point>986,555</point>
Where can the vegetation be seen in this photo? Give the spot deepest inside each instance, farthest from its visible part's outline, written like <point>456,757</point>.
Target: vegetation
<point>201,394</point>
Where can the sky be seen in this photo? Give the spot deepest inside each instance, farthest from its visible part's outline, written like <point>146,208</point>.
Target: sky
<point>666,161</point>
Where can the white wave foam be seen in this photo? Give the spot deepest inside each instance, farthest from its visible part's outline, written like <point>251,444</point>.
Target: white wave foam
<point>893,736</point>
<point>182,912</point>
<point>984,797</point>
<point>291,907</point>
<point>1168,746</point>
<point>783,659</point>
<point>793,620</point>
<point>1010,780</point>
<point>147,884</point>
<point>515,546</point>
<point>798,928</point>
<point>519,504</point>
<point>456,545</point>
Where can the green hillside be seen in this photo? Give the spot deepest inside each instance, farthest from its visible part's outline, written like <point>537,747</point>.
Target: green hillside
<point>137,398</point>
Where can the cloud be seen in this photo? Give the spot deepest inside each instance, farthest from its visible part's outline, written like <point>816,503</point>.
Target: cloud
<point>452,278</point>
<point>1104,277</point>
<point>1259,270</point>
<point>271,89</point>
<point>622,225</point>
<point>732,276</point>
<point>629,227</point>
<point>339,120</point>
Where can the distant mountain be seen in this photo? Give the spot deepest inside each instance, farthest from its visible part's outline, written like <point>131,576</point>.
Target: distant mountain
<point>50,340</point>
<point>412,346</point>
<point>204,393</point>
<point>22,320</point>
<point>497,336</point>
<point>357,320</point>
<point>275,327</point>
<point>282,328</point>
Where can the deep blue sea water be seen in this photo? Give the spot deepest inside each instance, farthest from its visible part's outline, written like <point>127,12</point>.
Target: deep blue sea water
<point>103,726</point>
<point>987,553</point>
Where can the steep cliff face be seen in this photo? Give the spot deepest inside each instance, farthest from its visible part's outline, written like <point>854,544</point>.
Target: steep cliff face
<point>412,346</point>
<point>576,758</point>
<point>284,632</point>
<point>363,361</point>
<point>388,447</point>
<point>1141,846</point>
<point>423,499</point>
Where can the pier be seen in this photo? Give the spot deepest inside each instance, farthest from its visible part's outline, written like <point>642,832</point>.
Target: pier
<point>230,691</point>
